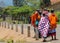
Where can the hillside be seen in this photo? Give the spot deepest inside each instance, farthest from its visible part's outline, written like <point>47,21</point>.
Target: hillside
<point>55,6</point>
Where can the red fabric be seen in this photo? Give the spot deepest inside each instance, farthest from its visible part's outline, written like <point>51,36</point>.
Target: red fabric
<point>53,34</point>
<point>33,18</point>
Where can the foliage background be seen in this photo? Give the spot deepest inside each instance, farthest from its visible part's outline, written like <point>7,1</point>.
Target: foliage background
<point>20,13</point>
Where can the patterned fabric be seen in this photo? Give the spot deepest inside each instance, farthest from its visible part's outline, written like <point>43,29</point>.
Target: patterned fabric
<point>45,12</point>
<point>43,26</point>
<point>52,31</point>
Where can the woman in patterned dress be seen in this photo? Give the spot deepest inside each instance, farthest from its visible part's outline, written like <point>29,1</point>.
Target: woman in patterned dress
<point>43,26</point>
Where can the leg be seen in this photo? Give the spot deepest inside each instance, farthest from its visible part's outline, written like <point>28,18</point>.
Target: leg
<point>44,39</point>
<point>35,33</point>
<point>39,34</point>
<point>55,36</point>
<point>52,36</point>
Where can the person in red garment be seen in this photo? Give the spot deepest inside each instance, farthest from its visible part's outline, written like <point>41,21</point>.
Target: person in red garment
<point>34,17</point>
<point>53,24</point>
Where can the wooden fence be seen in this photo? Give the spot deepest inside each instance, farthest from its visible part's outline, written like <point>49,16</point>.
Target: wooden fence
<point>16,28</point>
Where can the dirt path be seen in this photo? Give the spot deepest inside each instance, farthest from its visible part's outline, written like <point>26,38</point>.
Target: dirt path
<point>6,34</point>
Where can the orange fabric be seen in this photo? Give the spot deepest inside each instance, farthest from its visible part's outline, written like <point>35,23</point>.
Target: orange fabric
<point>39,17</point>
<point>34,17</point>
<point>53,21</point>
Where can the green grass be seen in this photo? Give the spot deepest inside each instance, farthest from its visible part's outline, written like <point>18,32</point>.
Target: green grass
<point>9,40</point>
<point>58,23</point>
<point>58,15</point>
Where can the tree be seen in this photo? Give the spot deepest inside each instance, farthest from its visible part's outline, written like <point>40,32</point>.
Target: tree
<point>18,3</point>
<point>17,12</point>
<point>46,2</point>
<point>33,3</point>
<point>1,11</point>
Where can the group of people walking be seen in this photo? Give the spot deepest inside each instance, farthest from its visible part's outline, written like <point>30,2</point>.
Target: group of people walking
<point>45,21</point>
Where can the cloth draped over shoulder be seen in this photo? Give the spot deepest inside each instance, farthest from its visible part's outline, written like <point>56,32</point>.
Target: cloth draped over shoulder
<point>43,26</point>
<point>34,17</point>
<point>53,21</point>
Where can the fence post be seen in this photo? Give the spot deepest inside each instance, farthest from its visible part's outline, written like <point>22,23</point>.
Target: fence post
<point>12,26</point>
<point>28,31</point>
<point>22,29</point>
<point>12,41</point>
<point>36,33</point>
<point>16,28</point>
<point>8,25</point>
<point>5,24</point>
<point>0,24</point>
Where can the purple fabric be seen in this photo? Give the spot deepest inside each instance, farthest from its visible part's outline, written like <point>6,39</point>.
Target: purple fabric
<point>43,26</point>
<point>52,31</point>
